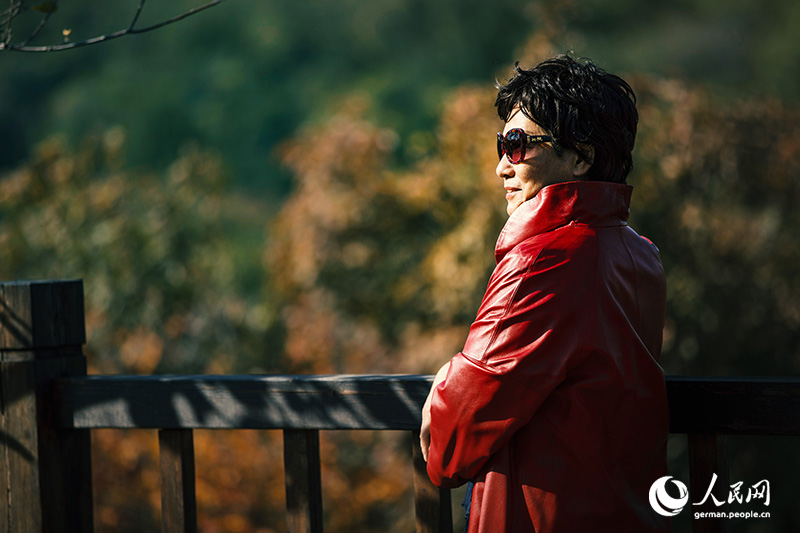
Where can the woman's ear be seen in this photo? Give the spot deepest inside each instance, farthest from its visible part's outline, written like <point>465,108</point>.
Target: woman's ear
<point>584,161</point>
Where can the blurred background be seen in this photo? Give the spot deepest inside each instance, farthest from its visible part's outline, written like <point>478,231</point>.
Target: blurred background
<point>308,187</point>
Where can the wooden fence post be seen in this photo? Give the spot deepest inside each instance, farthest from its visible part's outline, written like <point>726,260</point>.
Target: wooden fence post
<point>46,473</point>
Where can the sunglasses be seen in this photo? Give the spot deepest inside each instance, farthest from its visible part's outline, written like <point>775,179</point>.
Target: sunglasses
<point>514,142</point>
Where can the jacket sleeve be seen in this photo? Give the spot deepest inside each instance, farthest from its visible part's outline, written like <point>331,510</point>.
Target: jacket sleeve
<point>527,330</point>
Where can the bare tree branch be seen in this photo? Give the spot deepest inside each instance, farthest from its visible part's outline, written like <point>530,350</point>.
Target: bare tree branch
<point>9,14</point>
<point>136,16</point>
<point>18,6</point>
<point>42,23</point>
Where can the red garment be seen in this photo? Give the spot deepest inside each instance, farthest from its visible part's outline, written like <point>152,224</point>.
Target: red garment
<point>557,406</point>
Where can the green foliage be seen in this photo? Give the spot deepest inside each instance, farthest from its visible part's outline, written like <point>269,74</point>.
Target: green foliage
<point>382,248</point>
<point>737,47</point>
<point>244,76</point>
<point>160,281</point>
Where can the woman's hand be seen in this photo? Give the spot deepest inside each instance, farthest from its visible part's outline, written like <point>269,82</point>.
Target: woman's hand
<point>425,429</point>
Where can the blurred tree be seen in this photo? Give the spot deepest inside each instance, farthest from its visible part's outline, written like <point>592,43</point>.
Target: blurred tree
<point>252,74</point>
<point>162,295</point>
<point>718,194</point>
<point>377,262</point>
<point>244,76</point>
<point>159,276</point>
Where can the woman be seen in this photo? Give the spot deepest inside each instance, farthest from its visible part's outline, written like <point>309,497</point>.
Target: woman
<point>556,407</point>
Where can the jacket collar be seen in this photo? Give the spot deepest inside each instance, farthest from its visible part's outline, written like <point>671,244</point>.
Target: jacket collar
<point>596,203</point>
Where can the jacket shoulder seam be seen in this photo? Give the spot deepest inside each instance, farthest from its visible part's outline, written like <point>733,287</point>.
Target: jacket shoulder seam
<point>510,302</point>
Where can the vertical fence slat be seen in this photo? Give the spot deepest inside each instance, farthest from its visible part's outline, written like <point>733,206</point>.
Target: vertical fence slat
<point>431,504</point>
<point>303,480</point>
<point>708,456</point>
<point>178,503</point>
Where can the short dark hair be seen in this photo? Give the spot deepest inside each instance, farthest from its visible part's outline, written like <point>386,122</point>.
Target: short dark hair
<point>577,103</point>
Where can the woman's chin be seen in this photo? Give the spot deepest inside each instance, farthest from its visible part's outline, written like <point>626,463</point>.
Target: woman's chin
<point>512,206</point>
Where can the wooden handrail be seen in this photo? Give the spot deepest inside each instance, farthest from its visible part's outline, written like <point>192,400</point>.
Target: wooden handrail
<point>705,408</point>
<point>730,406</point>
<point>241,402</point>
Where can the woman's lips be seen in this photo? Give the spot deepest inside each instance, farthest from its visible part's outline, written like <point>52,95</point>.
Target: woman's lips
<point>510,192</point>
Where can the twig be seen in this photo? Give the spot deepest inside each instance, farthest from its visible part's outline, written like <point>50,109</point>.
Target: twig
<point>44,20</point>
<point>179,17</point>
<point>136,16</point>
<point>15,8</point>
<point>131,30</point>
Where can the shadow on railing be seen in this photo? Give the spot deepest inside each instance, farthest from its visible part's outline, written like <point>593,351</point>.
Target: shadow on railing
<point>49,406</point>
<point>241,402</point>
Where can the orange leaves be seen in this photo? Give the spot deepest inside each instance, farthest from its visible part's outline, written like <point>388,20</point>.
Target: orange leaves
<point>340,166</point>
<point>716,189</point>
<point>360,239</point>
<point>366,480</point>
<point>159,275</point>
<point>127,486</point>
<point>141,351</point>
<point>311,344</point>
<point>239,481</point>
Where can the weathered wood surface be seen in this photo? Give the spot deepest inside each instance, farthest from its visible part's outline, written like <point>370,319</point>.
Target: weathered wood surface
<point>303,481</point>
<point>45,472</point>
<point>19,448</point>
<point>243,402</point>
<point>41,314</point>
<point>752,406</point>
<point>178,501</point>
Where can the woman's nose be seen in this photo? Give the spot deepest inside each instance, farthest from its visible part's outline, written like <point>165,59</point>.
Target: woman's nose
<point>504,169</point>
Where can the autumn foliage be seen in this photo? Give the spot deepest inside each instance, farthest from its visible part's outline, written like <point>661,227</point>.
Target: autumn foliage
<point>374,267</point>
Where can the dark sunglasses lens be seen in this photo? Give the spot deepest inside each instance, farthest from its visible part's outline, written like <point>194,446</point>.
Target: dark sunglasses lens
<point>514,146</point>
<point>500,151</point>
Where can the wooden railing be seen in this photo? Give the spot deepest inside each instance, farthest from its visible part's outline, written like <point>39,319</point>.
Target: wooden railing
<point>49,406</point>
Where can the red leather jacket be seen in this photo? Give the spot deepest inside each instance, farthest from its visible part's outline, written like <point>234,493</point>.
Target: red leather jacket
<point>557,406</point>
